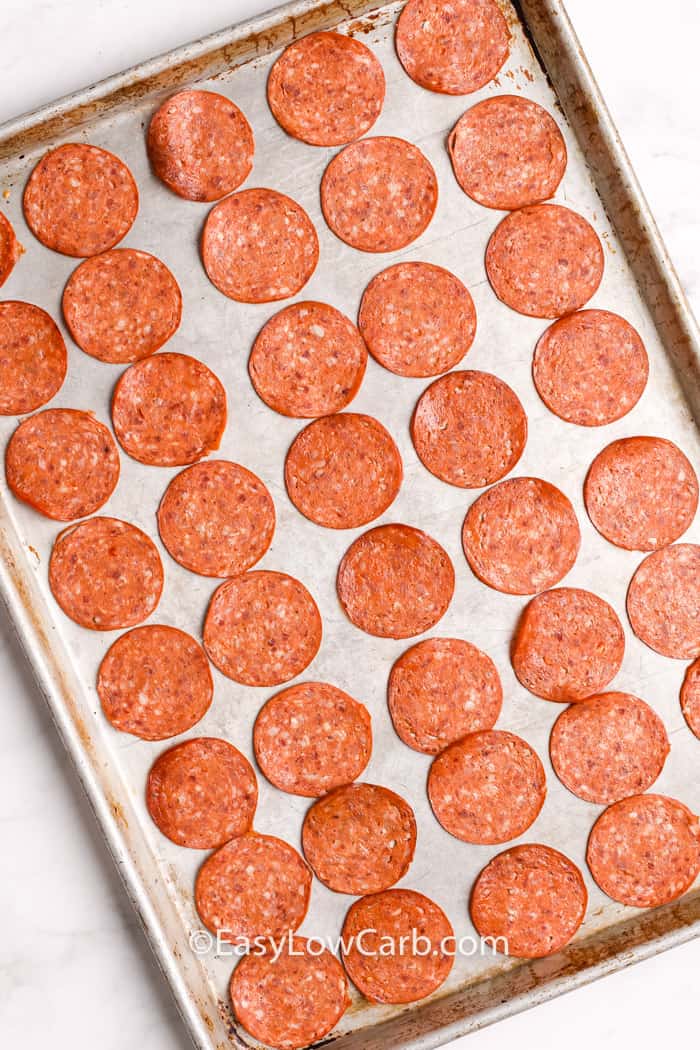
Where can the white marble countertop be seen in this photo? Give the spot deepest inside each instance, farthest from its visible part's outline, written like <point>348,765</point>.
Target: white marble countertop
<point>75,969</point>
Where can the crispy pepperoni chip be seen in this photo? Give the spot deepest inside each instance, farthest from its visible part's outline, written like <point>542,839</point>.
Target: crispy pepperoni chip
<point>201,793</point>
<point>690,698</point>
<point>663,601</point>
<point>521,536</point>
<point>590,367</point>
<point>105,574</point>
<point>529,900</point>
<point>569,645</point>
<point>200,145</point>
<point>343,471</point>
<point>259,246</point>
<point>469,429</point>
<point>487,788</point>
<point>360,838</point>
<point>452,48</point>
<point>10,249</point>
<point>169,410</point>
<point>645,850</point>
<point>379,194</point>
<point>33,359</point>
<point>155,682</point>
<point>262,628</point>
<point>395,581</point>
<point>326,89</point>
<point>311,738</point>
<point>544,261</point>
<point>122,305</point>
<point>80,200</point>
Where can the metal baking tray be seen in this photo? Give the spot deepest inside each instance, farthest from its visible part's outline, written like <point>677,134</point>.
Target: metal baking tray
<point>546,64</point>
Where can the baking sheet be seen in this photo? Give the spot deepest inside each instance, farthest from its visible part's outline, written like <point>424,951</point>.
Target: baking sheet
<point>220,332</point>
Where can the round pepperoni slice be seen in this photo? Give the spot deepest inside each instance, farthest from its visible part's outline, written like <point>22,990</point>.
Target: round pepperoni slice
<point>10,249</point>
<point>395,581</point>
<point>216,518</point>
<point>417,319</point>
<point>452,48</point>
<point>155,682</point>
<point>202,793</point>
<point>663,601</point>
<point>487,788</point>
<point>262,628</point>
<point>326,89</point>
<point>507,152</point>
<point>311,738</point>
<point>360,838</point>
<point>308,360</point>
<point>529,901</point>
<point>291,1000</point>
<point>690,698</point>
<point>544,261</point>
<point>469,429</point>
<point>33,359</point>
<point>122,305</point>
<point>254,886</point>
<point>590,368</point>
<point>645,850</point>
<point>440,690</point>
<point>641,493</point>
<point>569,645</point>
<point>343,471</point>
<point>200,145</point>
<point>397,917</point>
<point>169,410</point>
<point>521,536</point>
<point>105,574</point>
<point>80,200</point>
<point>63,463</point>
<point>379,194</point>
<point>259,246</point>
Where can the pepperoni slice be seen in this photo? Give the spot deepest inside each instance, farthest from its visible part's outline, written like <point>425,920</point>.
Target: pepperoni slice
<point>122,305</point>
<point>690,698</point>
<point>105,574</point>
<point>254,886</point>
<point>169,410</point>
<point>80,200</point>
<point>200,145</point>
<point>290,1000</point>
<point>663,601</point>
<point>262,628</point>
<point>641,493</point>
<point>10,249</point>
<point>326,89</point>
<point>343,471</point>
<point>397,917</point>
<point>544,261</point>
<point>379,194</point>
<point>311,738</point>
<point>216,518</point>
<point>440,690</point>
<point>531,898</point>
<point>395,581</point>
<point>202,793</point>
<point>417,319</point>
<point>155,682</point>
<point>507,152</point>
<point>452,48</point>
<point>360,838</point>
<point>645,850</point>
<point>590,368</point>
<point>63,463</point>
<point>569,645</point>
<point>521,536</point>
<point>487,788</point>
<point>308,360</point>
<point>33,359</point>
<point>469,429</point>
<point>259,246</point>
